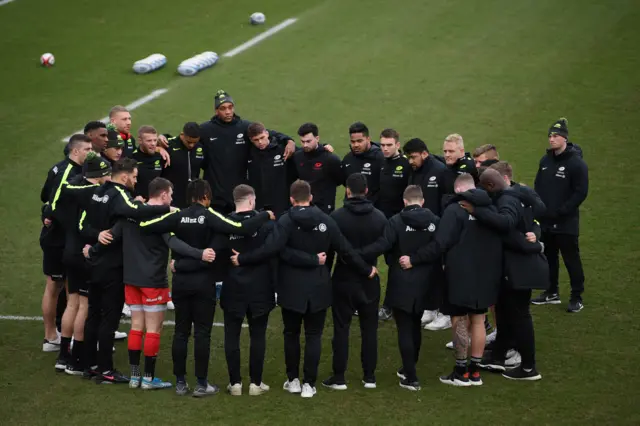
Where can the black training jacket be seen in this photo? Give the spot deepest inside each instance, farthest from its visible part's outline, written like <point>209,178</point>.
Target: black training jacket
<point>270,176</point>
<point>58,176</point>
<point>394,178</point>
<point>431,177</point>
<point>531,199</point>
<point>563,184</point>
<point>322,170</point>
<point>150,166</point>
<point>196,226</point>
<point>303,232</point>
<point>464,164</point>
<point>249,287</point>
<point>110,203</point>
<point>226,151</point>
<point>368,163</point>
<point>405,233</point>
<point>361,224</point>
<point>472,253</point>
<point>185,167</point>
<point>75,198</point>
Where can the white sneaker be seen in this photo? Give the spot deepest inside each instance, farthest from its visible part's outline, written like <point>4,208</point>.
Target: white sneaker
<point>510,354</point>
<point>171,306</point>
<point>126,311</point>
<point>513,361</point>
<point>449,345</point>
<point>491,337</point>
<point>307,391</point>
<point>119,335</point>
<point>51,345</point>
<point>442,322</point>
<point>255,390</point>
<point>235,389</point>
<point>292,386</point>
<point>428,316</point>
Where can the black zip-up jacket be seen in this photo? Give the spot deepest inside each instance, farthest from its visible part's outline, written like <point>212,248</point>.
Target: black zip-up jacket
<point>149,167</point>
<point>563,184</point>
<point>464,164</point>
<point>197,226</point>
<point>249,287</point>
<point>146,256</point>
<point>75,198</point>
<point>58,176</point>
<point>394,179</point>
<point>305,287</point>
<point>368,163</point>
<point>472,252</point>
<point>226,150</point>
<point>531,199</point>
<point>270,176</point>
<point>322,170</point>
<point>405,233</point>
<point>431,177</point>
<point>361,224</point>
<point>110,203</point>
<point>185,167</point>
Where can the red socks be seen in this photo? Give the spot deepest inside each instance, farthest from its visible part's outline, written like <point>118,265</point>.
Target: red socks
<point>134,343</point>
<point>151,344</point>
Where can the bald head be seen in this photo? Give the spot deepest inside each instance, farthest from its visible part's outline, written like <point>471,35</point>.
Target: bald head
<point>492,181</point>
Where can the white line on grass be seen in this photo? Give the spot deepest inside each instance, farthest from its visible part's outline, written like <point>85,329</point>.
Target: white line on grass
<point>257,39</point>
<point>3,2</point>
<point>133,105</point>
<point>126,321</point>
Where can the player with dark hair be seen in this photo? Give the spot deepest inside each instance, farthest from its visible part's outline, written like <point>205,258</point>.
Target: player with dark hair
<point>394,174</point>
<point>364,157</point>
<point>187,158</point>
<point>485,155</point>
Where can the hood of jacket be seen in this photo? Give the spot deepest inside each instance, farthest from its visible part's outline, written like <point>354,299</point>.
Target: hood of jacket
<point>358,206</point>
<point>477,197</point>
<point>307,217</point>
<point>242,216</point>
<point>571,150</point>
<point>235,120</point>
<point>417,217</point>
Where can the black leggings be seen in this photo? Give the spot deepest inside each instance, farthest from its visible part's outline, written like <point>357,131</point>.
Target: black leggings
<point>257,335</point>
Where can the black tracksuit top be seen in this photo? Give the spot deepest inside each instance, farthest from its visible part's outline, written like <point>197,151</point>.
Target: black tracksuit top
<point>395,173</point>
<point>322,170</point>
<point>226,150</point>
<point>185,167</point>
<point>562,182</point>
<point>405,233</point>
<point>303,232</point>
<point>150,166</point>
<point>270,176</point>
<point>431,177</point>
<point>368,163</point>
<point>463,165</point>
<point>361,224</point>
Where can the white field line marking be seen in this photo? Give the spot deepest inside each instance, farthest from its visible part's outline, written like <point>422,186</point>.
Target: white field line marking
<point>230,54</point>
<point>133,105</point>
<point>125,321</point>
<point>257,39</point>
<point>3,2</point>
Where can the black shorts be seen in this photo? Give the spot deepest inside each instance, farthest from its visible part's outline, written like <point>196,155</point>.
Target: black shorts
<point>78,280</point>
<point>460,311</point>
<point>52,265</point>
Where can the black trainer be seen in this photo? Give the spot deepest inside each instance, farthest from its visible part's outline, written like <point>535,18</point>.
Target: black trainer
<point>89,373</point>
<point>334,383</point>
<point>455,379</point>
<point>111,377</point>
<point>412,386</point>
<point>73,370</point>
<point>521,374</point>
<point>547,298</point>
<point>61,364</point>
<point>575,306</point>
<point>491,364</point>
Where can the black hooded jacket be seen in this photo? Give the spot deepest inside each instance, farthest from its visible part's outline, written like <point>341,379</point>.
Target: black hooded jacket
<point>394,178</point>
<point>368,163</point>
<point>562,182</point>
<point>405,233</point>
<point>472,252</point>
<point>185,167</point>
<point>463,165</point>
<point>361,224</point>
<point>305,286</point>
<point>226,152</point>
<point>270,176</point>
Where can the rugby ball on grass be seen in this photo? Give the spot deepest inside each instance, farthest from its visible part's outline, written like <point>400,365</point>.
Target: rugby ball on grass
<point>257,18</point>
<point>47,60</point>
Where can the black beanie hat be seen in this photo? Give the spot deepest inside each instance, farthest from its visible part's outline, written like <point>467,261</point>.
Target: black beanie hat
<point>114,140</point>
<point>560,128</point>
<point>95,166</point>
<point>222,97</point>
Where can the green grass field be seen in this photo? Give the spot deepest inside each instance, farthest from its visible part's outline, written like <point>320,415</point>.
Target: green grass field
<point>495,71</point>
